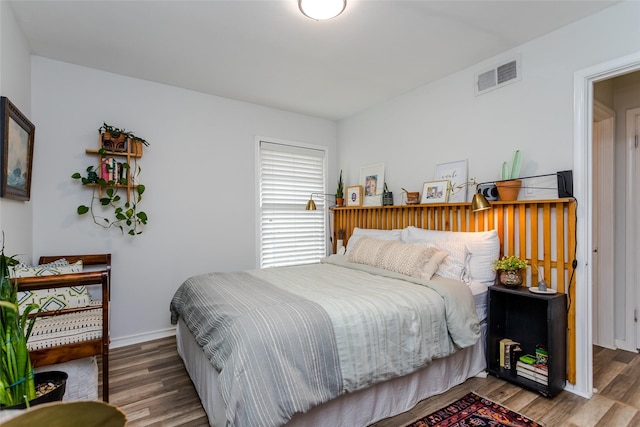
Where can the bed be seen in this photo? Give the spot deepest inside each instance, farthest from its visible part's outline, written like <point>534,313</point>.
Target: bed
<point>349,341</point>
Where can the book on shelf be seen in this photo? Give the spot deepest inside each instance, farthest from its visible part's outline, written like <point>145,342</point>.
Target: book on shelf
<point>535,368</point>
<point>533,376</point>
<point>509,352</point>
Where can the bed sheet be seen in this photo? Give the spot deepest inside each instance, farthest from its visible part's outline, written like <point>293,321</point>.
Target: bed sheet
<point>360,408</point>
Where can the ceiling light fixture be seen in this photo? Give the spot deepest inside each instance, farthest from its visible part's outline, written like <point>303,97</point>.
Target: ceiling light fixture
<point>322,9</point>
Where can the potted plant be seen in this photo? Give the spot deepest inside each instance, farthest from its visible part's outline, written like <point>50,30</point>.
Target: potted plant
<point>108,208</point>
<point>509,184</point>
<point>19,387</point>
<point>510,270</point>
<point>340,191</point>
<point>115,139</point>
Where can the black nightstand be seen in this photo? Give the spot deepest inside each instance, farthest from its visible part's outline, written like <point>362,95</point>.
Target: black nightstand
<point>530,319</point>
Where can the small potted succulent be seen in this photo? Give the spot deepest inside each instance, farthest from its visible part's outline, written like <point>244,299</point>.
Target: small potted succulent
<point>509,184</point>
<point>510,270</point>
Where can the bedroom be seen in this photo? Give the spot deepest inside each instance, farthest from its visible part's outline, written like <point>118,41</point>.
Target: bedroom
<point>69,102</point>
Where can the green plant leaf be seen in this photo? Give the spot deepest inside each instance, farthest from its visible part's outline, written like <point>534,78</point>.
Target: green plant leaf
<point>82,209</point>
<point>140,188</point>
<point>76,175</point>
<point>105,201</point>
<point>110,192</point>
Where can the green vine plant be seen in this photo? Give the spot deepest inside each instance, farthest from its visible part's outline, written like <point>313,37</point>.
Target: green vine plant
<point>108,208</point>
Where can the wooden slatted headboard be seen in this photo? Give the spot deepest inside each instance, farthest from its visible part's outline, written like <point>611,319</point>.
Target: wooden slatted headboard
<point>541,231</point>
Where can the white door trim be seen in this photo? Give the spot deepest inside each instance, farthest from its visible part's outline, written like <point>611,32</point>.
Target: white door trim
<point>583,189</point>
<point>633,222</point>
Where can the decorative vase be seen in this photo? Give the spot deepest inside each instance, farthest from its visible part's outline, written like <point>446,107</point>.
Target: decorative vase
<point>511,278</point>
<point>508,190</point>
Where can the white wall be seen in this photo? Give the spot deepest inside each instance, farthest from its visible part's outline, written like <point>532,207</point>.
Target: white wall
<point>15,84</point>
<point>199,173</point>
<point>444,121</point>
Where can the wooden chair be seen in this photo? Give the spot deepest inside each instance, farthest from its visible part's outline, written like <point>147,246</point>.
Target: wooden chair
<point>76,350</point>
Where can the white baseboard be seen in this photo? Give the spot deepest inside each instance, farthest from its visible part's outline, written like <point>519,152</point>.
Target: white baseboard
<point>140,338</point>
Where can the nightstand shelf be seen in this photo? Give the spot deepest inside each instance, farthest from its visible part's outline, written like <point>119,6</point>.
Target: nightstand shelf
<point>530,319</point>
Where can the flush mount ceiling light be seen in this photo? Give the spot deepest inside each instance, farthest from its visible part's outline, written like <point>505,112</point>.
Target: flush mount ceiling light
<point>322,9</point>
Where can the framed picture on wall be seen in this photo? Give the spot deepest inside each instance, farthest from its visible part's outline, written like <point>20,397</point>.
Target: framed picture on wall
<point>354,195</point>
<point>435,191</point>
<point>372,181</point>
<point>456,173</point>
<point>16,155</point>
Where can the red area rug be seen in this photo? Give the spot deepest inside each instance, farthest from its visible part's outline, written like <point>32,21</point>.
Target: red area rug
<point>474,411</point>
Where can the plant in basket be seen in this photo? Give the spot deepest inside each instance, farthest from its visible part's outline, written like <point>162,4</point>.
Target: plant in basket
<point>17,383</point>
<point>19,387</point>
<point>510,270</point>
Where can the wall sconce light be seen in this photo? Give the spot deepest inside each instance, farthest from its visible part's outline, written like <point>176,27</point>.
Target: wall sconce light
<point>311,205</point>
<point>321,9</point>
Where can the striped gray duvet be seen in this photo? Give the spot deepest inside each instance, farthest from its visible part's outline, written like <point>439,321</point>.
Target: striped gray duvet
<point>287,339</point>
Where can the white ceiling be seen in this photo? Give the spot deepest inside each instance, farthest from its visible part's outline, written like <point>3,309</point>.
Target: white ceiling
<point>266,52</point>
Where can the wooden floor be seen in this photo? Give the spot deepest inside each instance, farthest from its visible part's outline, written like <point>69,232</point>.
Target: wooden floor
<point>150,384</point>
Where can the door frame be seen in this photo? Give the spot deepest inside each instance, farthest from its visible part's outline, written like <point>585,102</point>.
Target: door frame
<point>632,220</point>
<point>583,190</point>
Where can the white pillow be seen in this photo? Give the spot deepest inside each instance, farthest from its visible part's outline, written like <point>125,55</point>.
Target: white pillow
<point>410,260</point>
<point>456,264</point>
<point>378,234</point>
<point>484,247</point>
<point>51,299</point>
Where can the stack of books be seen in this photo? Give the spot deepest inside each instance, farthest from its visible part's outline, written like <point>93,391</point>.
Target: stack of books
<point>527,367</point>
<point>509,352</point>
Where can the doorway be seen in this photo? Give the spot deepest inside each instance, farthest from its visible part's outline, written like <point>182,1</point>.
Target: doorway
<point>584,188</point>
<point>615,232</point>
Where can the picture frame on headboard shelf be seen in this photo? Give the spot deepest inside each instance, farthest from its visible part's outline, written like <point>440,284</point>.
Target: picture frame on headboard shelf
<point>372,181</point>
<point>354,195</point>
<point>16,152</point>
<point>435,191</point>
<point>457,174</point>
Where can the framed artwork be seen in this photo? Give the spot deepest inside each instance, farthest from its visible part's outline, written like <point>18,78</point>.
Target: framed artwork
<point>354,195</point>
<point>456,173</point>
<point>372,181</point>
<point>435,191</point>
<point>16,155</point>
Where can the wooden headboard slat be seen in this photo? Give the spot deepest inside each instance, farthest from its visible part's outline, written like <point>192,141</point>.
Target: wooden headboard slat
<point>525,228</point>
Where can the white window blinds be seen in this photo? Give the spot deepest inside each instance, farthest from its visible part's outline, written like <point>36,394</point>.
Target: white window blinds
<point>289,234</point>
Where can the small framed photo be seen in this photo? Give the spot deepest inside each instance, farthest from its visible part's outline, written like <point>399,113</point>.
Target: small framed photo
<point>435,191</point>
<point>16,152</point>
<point>354,195</point>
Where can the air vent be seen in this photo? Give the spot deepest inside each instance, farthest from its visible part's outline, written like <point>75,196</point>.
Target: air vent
<point>503,74</point>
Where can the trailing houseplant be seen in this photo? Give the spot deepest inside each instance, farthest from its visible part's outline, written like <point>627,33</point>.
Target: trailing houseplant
<point>109,132</point>
<point>108,208</point>
<point>17,383</point>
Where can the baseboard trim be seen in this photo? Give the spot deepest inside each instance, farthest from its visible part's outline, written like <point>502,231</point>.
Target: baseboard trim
<point>140,338</point>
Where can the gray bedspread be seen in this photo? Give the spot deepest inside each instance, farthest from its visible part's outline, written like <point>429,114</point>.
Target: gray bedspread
<point>287,339</point>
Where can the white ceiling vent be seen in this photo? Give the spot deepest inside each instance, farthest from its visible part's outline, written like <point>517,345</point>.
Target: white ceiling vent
<point>504,74</point>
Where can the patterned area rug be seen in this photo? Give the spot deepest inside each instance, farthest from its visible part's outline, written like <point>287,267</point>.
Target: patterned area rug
<point>474,411</point>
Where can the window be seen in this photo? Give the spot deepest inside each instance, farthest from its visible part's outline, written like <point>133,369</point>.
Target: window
<point>288,174</point>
